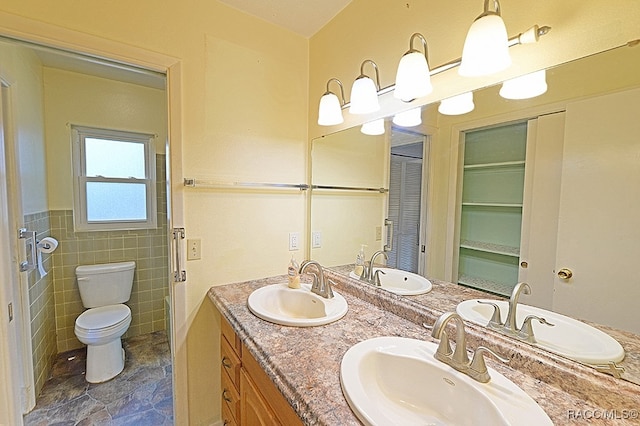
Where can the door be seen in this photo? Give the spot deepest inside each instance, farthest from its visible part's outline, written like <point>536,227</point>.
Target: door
<point>599,204</point>
<point>405,201</point>
<point>10,403</point>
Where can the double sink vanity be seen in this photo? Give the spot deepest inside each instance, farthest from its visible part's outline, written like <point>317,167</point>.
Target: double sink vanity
<point>371,355</point>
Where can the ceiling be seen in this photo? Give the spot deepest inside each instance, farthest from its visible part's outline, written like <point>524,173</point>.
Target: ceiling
<point>304,17</point>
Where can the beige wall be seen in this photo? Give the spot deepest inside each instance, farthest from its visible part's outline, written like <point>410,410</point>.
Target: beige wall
<point>348,219</point>
<point>72,98</point>
<point>244,117</point>
<point>23,72</point>
<point>245,106</point>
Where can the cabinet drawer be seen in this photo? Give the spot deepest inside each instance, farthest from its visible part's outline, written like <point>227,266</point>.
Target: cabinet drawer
<point>231,336</point>
<point>230,398</point>
<point>227,417</point>
<point>230,363</point>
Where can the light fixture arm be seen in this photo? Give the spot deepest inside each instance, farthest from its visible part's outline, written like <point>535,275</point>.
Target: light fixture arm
<point>424,45</point>
<point>341,90</point>
<point>375,67</point>
<point>496,6</point>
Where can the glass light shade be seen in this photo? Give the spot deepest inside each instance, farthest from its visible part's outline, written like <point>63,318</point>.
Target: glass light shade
<point>412,78</point>
<point>364,96</point>
<point>525,87</point>
<point>373,128</point>
<point>410,118</point>
<point>330,111</point>
<point>486,48</point>
<point>457,105</point>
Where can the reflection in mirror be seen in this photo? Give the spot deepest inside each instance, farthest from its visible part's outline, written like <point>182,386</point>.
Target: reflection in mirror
<point>575,237</point>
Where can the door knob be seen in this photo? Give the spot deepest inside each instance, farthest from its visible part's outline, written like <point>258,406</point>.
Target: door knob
<point>565,274</point>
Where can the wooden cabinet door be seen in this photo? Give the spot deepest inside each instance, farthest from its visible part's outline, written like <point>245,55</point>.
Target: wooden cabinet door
<point>255,410</point>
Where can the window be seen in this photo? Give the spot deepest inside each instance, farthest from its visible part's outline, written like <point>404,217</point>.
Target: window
<point>114,179</point>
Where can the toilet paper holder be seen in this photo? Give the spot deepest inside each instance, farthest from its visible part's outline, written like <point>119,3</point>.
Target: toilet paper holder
<point>36,248</point>
<point>25,234</point>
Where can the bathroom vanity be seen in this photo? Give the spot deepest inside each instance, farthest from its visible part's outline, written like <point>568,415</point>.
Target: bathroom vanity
<point>296,370</point>
<point>248,395</point>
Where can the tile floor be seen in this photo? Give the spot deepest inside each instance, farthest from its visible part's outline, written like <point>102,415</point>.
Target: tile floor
<point>140,395</point>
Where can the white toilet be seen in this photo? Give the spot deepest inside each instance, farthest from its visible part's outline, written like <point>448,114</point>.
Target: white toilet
<point>104,289</point>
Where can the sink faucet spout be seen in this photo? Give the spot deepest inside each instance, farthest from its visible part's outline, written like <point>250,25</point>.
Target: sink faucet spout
<point>510,322</point>
<point>458,359</point>
<point>321,285</point>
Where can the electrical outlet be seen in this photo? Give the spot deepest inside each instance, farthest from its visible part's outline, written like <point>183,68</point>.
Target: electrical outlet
<point>294,241</point>
<point>316,239</point>
<point>378,233</point>
<point>193,249</point>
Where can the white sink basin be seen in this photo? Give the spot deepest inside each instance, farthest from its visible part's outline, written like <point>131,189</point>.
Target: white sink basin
<point>569,337</point>
<point>401,282</point>
<point>282,305</point>
<point>397,381</point>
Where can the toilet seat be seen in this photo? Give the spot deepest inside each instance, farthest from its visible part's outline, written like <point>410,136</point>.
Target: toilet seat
<point>104,318</point>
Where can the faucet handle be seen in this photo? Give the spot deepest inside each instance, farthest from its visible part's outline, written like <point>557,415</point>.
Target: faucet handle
<point>479,368</point>
<point>496,319</point>
<point>444,347</point>
<point>365,270</point>
<point>329,283</point>
<point>526,331</point>
<point>376,277</point>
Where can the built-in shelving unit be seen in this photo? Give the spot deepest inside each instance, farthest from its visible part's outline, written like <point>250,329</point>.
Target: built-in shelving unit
<point>491,208</point>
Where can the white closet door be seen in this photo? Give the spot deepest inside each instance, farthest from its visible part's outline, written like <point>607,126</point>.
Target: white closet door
<point>405,199</point>
<point>599,221</point>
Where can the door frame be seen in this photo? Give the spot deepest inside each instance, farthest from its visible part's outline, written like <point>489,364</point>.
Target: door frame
<point>424,195</point>
<point>25,29</point>
<point>456,168</point>
<point>11,319</point>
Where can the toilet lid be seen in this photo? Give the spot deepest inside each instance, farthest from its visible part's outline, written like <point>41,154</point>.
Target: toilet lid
<point>103,316</point>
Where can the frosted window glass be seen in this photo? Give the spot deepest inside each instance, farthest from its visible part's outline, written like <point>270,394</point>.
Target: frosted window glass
<point>116,159</point>
<point>116,201</point>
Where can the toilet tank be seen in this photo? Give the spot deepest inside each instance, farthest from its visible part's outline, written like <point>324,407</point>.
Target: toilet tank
<point>105,284</point>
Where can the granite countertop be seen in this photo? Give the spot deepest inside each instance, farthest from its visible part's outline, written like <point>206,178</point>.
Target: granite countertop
<point>304,363</point>
<point>445,296</point>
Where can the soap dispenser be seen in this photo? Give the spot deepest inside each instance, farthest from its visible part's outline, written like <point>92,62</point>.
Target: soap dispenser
<point>360,259</point>
<point>293,274</point>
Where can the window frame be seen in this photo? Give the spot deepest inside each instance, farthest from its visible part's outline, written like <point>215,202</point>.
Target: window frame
<point>79,134</point>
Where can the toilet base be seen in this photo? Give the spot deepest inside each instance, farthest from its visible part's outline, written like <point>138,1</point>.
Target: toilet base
<point>104,362</point>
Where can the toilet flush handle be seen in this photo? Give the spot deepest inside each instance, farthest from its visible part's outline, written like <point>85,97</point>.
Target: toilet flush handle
<point>82,278</point>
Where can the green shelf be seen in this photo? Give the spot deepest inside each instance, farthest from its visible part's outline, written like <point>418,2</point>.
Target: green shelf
<point>491,208</point>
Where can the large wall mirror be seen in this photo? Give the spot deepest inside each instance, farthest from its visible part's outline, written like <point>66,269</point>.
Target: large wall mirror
<point>574,231</point>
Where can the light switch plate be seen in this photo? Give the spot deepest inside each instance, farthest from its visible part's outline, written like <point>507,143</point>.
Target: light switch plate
<point>194,249</point>
<point>294,241</point>
<point>316,239</point>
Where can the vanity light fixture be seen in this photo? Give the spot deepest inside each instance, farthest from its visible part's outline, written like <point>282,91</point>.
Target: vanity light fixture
<point>486,48</point>
<point>525,87</point>
<point>373,128</point>
<point>330,110</point>
<point>413,79</point>
<point>457,105</point>
<point>409,118</point>
<point>364,92</point>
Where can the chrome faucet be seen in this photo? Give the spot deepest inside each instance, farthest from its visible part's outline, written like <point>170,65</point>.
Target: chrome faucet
<point>510,322</point>
<point>321,285</point>
<point>459,359</point>
<point>368,274</point>
<point>510,326</point>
